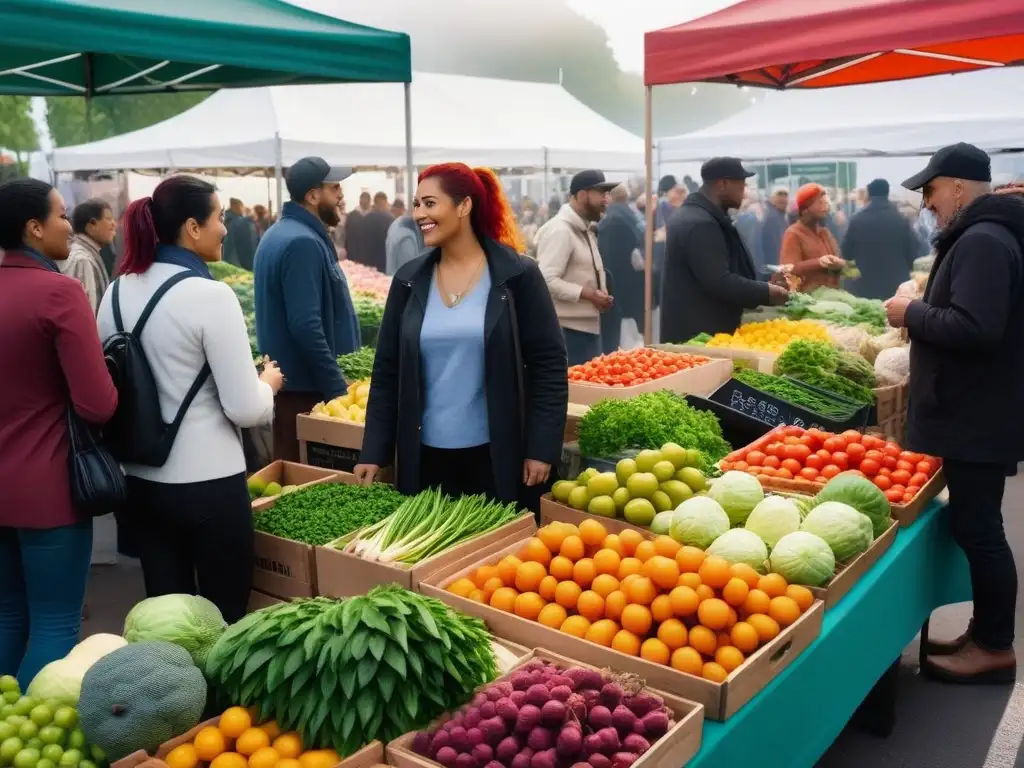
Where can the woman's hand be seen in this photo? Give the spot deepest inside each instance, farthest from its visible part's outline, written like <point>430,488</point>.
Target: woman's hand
<point>272,375</point>
<point>365,473</point>
<point>535,472</point>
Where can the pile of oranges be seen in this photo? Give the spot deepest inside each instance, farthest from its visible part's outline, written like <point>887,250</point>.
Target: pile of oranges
<point>651,598</point>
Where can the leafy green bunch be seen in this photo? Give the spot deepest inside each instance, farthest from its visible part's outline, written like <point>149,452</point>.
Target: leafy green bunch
<point>358,365</point>
<point>322,513</point>
<point>818,363</point>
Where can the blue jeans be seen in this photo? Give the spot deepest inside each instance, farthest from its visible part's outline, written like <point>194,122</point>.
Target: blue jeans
<point>581,347</point>
<point>43,573</point>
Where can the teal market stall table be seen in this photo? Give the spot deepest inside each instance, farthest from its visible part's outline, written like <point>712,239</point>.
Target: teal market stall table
<point>795,719</point>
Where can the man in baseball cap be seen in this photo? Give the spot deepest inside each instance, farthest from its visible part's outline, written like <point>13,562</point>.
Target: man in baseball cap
<point>305,317</point>
<point>966,364</point>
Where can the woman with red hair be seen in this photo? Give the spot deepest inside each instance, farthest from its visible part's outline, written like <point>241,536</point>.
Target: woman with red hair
<point>469,388</point>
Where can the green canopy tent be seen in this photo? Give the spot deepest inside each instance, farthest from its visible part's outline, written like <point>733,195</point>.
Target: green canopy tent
<point>108,47</point>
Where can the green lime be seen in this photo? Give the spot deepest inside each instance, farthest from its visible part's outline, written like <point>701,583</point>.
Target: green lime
<point>17,720</point>
<point>35,744</point>
<point>9,748</point>
<point>53,752</point>
<point>9,683</point>
<point>76,739</point>
<point>86,764</point>
<point>70,759</point>
<point>51,734</point>
<point>11,697</point>
<point>97,754</point>
<point>28,730</point>
<point>6,711</point>
<point>26,758</point>
<point>45,763</point>
<point>65,717</point>
<point>24,705</point>
<point>41,715</point>
<point>7,731</point>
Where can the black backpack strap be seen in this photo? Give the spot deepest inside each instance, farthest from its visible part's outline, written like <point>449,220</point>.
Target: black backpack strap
<point>116,299</point>
<point>154,300</point>
<point>172,428</point>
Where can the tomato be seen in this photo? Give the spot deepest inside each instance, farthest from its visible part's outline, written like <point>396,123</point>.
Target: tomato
<point>798,452</point>
<point>908,497</point>
<point>768,471</point>
<point>910,456</point>
<point>774,462</point>
<point>840,460</point>
<point>894,496</point>
<point>889,462</point>
<point>834,444</point>
<point>754,470</point>
<point>870,467</point>
<point>814,461</point>
<point>792,466</point>
<point>826,455</point>
<point>755,458</point>
<point>925,467</point>
<point>891,449</point>
<point>818,434</point>
<point>874,455</point>
<point>900,488</point>
<point>816,438</point>
<point>901,477</point>
<point>830,471</point>
<point>851,436</point>
<point>740,466</point>
<point>790,440</point>
<point>872,443</point>
<point>905,465</point>
<point>808,473</point>
<point>918,479</point>
<point>883,482</point>
<point>784,473</point>
<point>856,451</point>
<point>912,490</point>
<point>794,431</point>
<point>772,449</point>
<point>725,466</point>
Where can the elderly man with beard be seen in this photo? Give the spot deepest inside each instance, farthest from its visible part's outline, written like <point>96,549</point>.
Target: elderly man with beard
<point>966,376</point>
<point>304,312</point>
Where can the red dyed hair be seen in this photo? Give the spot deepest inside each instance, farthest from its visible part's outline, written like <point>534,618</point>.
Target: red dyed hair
<point>492,216</point>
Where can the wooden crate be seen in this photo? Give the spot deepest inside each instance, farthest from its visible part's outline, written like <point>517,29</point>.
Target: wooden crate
<point>288,473</point>
<point>891,411</point>
<point>845,578</point>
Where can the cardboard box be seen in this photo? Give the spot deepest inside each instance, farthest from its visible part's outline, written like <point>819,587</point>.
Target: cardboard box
<point>847,576</point>
<point>329,443</point>
<point>552,511</point>
<point>720,700</point>
<point>673,749</point>
<point>702,380</point>
<point>259,600</point>
<point>748,358</point>
<point>907,514</point>
<point>288,473</point>
<point>339,574</point>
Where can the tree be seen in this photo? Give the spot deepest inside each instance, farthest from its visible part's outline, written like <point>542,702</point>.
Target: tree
<point>17,129</point>
<point>111,115</point>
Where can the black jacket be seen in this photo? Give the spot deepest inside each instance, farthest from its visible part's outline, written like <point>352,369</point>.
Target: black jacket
<point>240,241</point>
<point>618,235</point>
<point>709,275</point>
<point>524,424</point>
<point>882,242</point>
<point>966,353</point>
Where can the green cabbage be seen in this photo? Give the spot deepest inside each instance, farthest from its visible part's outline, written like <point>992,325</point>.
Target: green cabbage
<point>803,558</point>
<point>843,528</point>
<point>698,521</point>
<point>738,493</point>
<point>861,494</point>
<point>741,546</point>
<point>192,622</point>
<point>773,518</point>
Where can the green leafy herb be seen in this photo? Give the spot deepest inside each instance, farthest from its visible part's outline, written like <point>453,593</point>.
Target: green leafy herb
<point>794,394</point>
<point>358,365</point>
<point>817,363</point>
<point>321,513</point>
<point>819,305</point>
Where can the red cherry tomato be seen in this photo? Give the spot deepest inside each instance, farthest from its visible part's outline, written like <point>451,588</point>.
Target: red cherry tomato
<point>840,460</point>
<point>856,451</point>
<point>755,458</point>
<point>918,479</point>
<point>815,462</point>
<point>891,449</point>
<point>772,462</point>
<point>798,452</point>
<point>883,482</point>
<point>894,496</point>
<point>874,455</point>
<point>740,466</point>
<point>830,471</point>
<point>852,436</point>
<point>901,477</point>
<point>870,467</point>
<point>910,456</point>
<point>905,465</point>
<point>826,455</point>
<point>834,444</point>
<point>794,431</point>
<point>889,462</point>
<point>926,467</point>
<point>784,473</point>
<point>809,473</point>
<point>792,466</point>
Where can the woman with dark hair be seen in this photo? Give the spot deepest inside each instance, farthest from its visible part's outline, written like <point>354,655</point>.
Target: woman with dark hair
<point>190,518</point>
<point>469,388</point>
<point>52,362</point>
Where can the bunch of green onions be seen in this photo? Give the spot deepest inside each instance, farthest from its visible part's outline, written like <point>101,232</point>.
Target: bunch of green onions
<point>425,525</point>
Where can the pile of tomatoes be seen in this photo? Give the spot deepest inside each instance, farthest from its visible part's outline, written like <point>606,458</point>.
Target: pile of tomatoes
<point>817,456</point>
<point>627,368</point>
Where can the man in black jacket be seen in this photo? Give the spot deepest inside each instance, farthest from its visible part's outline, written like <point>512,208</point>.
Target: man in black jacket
<point>966,377</point>
<point>882,243</point>
<point>709,275</point>
<point>619,242</point>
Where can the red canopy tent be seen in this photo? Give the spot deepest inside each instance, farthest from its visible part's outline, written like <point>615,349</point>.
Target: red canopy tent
<point>799,44</point>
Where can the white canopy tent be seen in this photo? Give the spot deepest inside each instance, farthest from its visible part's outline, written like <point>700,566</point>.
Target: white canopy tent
<point>913,117</point>
<point>480,121</point>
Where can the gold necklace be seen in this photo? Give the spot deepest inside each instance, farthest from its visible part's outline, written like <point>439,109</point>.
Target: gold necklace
<point>452,298</point>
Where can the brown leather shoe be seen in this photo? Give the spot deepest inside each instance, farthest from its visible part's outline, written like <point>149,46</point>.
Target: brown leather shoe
<point>947,647</point>
<point>974,665</point>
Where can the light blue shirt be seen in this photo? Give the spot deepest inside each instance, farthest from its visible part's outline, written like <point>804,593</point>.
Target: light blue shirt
<point>452,357</point>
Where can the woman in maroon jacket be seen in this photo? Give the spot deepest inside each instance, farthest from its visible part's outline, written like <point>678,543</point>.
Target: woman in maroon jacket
<point>52,360</point>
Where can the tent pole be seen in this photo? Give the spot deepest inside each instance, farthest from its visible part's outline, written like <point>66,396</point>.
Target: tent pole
<point>410,171</point>
<point>544,186</point>
<point>649,205</point>
<point>279,170</point>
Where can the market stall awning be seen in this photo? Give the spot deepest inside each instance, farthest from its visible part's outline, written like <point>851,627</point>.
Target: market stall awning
<point>808,44</point>
<point>101,47</point>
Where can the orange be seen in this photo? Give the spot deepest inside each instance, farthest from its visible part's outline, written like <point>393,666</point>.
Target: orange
<point>546,588</point>
<point>663,571</point>
<point>504,599</point>
<point>590,606</point>
<point>626,642</point>
<point>264,758</point>
<point>576,626</point>
<point>642,591</point>
<point>614,543</point>
<point>756,602</point>
<point>592,532</point>
<point>288,745</point>
<point>747,573</point>
<point>645,551</point>
<point>784,610</point>
<point>229,760</point>
<point>687,660</point>
<point>288,762</point>
<point>655,650</point>
<point>672,633</point>
<point>560,567</point>
<point>735,592</point>
<point>624,584</point>
<point>766,627</point>
<point>572,548</point>
<point>605,584</point>
<point>507,569</point>
<point>690,559</point>
<point>684,601</point>
<point>483,573</point>
<point>715,572</point>
<point>744,637</point>
<point>567,594</point>
<point>462,587</point>
<point>552,615</point>
<point>723,639</point>
<point>614,604</point>
<point>772,585</point>
<point>535,551</point>
<point>628,566</point>
<point>529,575</point>
<point>273,729</point>
<point>666,546</point>
<point>704,592</point>
<point>184,755</point>
<point>803,597</point>
<point>714,672</point>
<point>602,632</point>
<point>319,758</point>
<point>529,605</point>
<point>703,640</point>
<point>492,585</point>
<point>552,535</point>
<point>713,613</point>
<point>728,658</point>
<point>209,743</point>
<point>607,561</point>
<point>661,608</point>
<point>250,741</point>
<point>583,572</point>
<point>477,596</point>
<point>637,619</point>
<point>689,579</point>
<point>733,618</point>
<point>234,722</point>
<point>569,528</point>
<point>630,541</point>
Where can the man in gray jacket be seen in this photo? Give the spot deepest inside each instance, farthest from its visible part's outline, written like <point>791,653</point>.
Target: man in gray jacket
<point>404,242</point>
